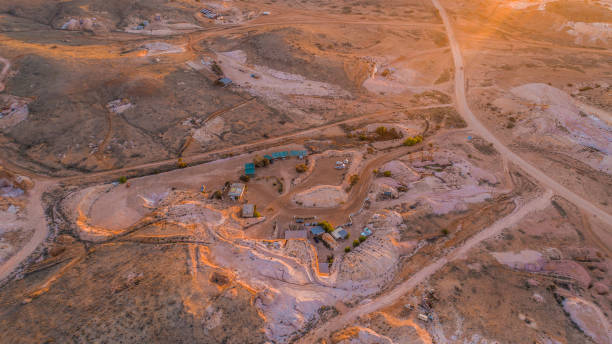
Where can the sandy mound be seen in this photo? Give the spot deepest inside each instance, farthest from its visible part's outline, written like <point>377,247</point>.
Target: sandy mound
<point>210,131</point>
<point>373,262</point>
<point>401,172</point>
<point>160,48</point>
<point>589,32</point>
<point>321,196</point>
<point>359,335</point>
<point>195,213</point>
<point>528,260</point>
<point>12,110</point>
<point>273,81</point>
<point>589,319</point>
<point>559,108</point>
<point>398,82</point>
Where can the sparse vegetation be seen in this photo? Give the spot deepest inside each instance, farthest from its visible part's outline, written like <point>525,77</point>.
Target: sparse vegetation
<point>260,161</point>
<point>326,226</point>
<point>347,249</point>
<point>122,180</point>
<point>354,179</point>
<point>256,213</point>
<point>180,163</point>
<point>411,141</point>
<point>301,168</point>
<point>387,174</point>
<point>445,231</point>
<point>245,178</point>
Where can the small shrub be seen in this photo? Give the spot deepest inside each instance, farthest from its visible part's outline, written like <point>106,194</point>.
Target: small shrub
<point>354,179</point>
<point>122,180</point>
<point>260,161</point>
<point>445,232</point>
<point>381,131</point>
<point>216,69</point>
<point>387,173</point>
<point>301,168</point>
<point>245,178</point>
<point>510,125</point>
<point>411,141</point>
<point>347,249</point>
<point>362,238</point>
<point>217,195</point>
<point>256,213</point>
<point>356,243</point>
<point>180,163</point>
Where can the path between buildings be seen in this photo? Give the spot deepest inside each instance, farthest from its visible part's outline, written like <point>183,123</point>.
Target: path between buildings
<point>396,293</point>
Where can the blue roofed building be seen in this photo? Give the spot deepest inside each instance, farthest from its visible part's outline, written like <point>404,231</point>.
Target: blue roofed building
<point>224,82</point>
<point>366,232</point>
<point>249,169</point>
<point>340,233</point>
<point>317,231</point>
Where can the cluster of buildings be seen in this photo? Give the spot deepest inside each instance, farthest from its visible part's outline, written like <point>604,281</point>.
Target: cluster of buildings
<point>249,168</point>
<point>317,232</point>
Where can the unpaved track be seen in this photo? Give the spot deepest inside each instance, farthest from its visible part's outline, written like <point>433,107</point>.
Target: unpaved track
<point>477,126</point>
<point>36,219</point>
<point>244,147</point>
<point>35,207</point>
<point>4,72</point>
<point>396,293</point>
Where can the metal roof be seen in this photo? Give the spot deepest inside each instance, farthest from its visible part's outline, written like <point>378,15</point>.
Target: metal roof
<point>317,230</point>
<point>248,210</point>
<point>340,233</point>
<point>236,190</point>
<point>225,81</point>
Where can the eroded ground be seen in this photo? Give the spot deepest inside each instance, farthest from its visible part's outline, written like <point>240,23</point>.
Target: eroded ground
<point>120,146</point>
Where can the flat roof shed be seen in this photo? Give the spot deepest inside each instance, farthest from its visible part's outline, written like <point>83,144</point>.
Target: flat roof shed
<point>224,81</point>
<point>236,191</point>
<point>248,210</point>
<point>249,169</point>
<point>340,233</point>
<point>317,230</point>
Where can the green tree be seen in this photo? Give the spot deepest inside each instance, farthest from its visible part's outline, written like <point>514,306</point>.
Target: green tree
<point>326,226</point>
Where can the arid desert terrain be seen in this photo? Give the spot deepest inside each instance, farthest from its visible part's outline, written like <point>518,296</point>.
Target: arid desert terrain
<point>315,171</point>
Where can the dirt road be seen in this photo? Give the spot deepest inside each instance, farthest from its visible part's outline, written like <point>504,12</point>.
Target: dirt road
<point>389,298</point>
<point>474,124</point>
<point>244,147</point>
<point>4,72</point>
<point>36,220</point>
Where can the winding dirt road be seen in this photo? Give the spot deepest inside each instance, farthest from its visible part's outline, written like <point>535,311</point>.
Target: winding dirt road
<point>389,298</point>
<point>537,204</point>
<point>474,124</point>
